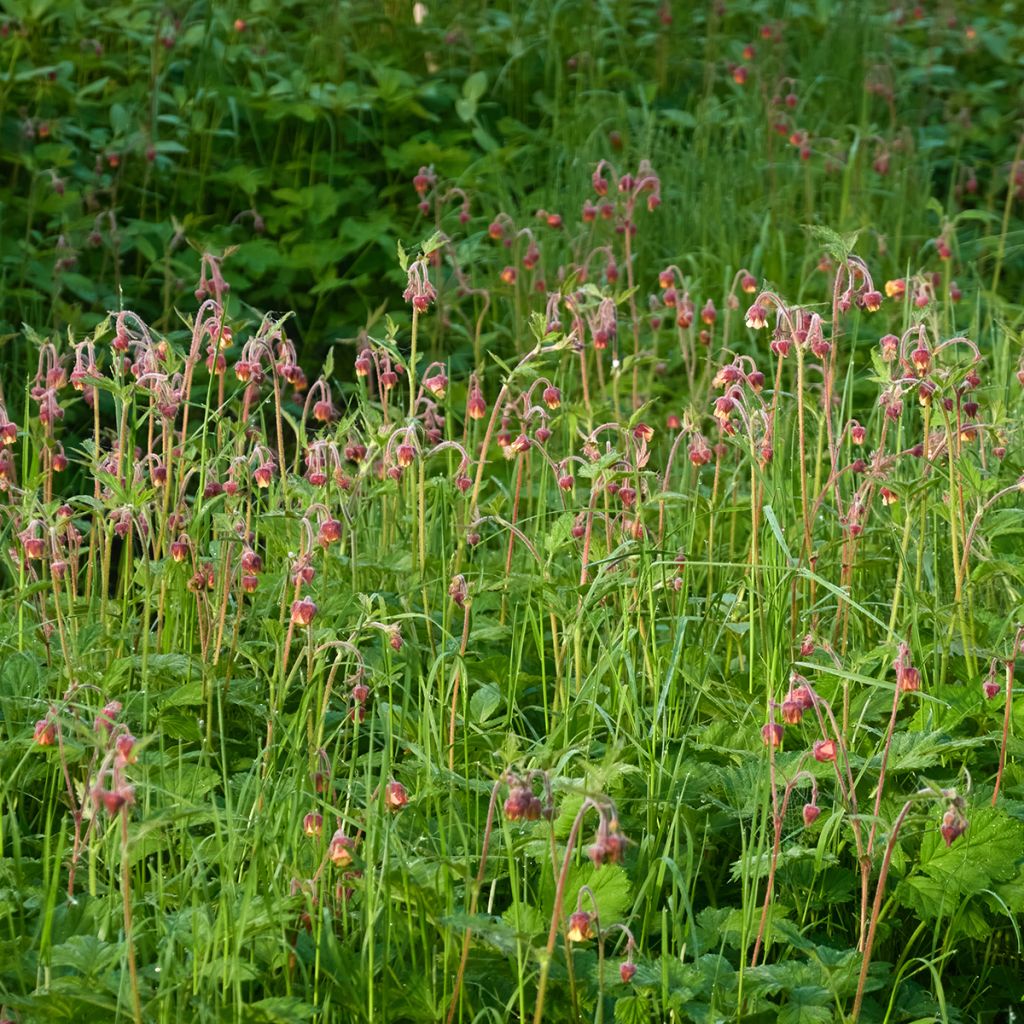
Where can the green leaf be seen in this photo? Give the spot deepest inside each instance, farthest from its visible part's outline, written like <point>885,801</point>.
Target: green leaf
<point>484,703</point>
<point>475,86</point>
<point>632,1009</point>
<point>280,1010</point>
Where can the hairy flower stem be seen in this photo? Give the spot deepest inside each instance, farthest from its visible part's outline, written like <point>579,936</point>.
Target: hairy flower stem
<point>876,911</point>
<point>474,899</point>
<point>1010,668</point>
<point>805,507</point>
<point>413,337</point>
<point>126,898</point>
<point>556,913</point>
<point>455,687</point>
<point>521,463</point>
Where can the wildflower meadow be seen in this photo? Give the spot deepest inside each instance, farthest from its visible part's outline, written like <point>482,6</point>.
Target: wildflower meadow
<point>511,511</point>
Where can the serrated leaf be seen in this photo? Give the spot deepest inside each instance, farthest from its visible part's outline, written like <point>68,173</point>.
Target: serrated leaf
<point>484,703</point>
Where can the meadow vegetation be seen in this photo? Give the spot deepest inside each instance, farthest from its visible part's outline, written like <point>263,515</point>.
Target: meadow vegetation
<point>511,512</point>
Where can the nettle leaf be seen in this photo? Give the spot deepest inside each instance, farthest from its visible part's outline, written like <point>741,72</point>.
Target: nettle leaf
<point>609,884</point>
<point>86,954</point>
<point>913,751</point>
<point>632,1009</point>
<point>484,702</point>
<point>491,930</point>
<point>757,863</point>
<point>810,1004</point>
<point>280,1010</point>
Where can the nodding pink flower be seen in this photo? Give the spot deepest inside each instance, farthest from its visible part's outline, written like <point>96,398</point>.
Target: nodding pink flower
<point>476,407</point>
<point>748,283</point>
<point>32,543</point>
<point>771,734</point>
<point>921,357</point>
<point>312,824</point>
<point>179,549</point>
<point>45,732</point>
<point>589,212</point>
<point>580,927</point>
<point>113,800</point>
<point>264,473</point>
<point>395,637</point>
<point>107,718</point>
<point>824,750</point>
<point>954,824</point>
<point>508,275</point>
<point>396,796</point>
<point>858,433</point>
<point>424,180</point>
<point>724,406</point>
<point>340,849</point>
<point>699,451</point>
<point>324,411</point>
<point>251,561</point>
<point>250,584</point>
<point>673,422</point>
<point>458,591</point>
<point>811,813</point>
<point>405,454</point>
<point>436,384</point>
<point>552,397</point>
<point>807,649</point>
<point>627,969</point>
<point>908,679</point>
<point>792,711</point>
<point>363,363</point>
<point>303,611</point>
<point>896,288</point>
<point>708,313</point>
<point>125,747</point>
<point>888,497</point>
<point>872,301</point>
<point>643,432</point>
<point>330,532</point>
<point>756,317</point>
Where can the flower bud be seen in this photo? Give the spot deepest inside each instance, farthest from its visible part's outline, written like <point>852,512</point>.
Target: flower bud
<point>811,812</point>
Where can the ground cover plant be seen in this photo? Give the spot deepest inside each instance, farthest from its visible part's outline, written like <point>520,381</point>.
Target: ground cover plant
<point>511,514</point>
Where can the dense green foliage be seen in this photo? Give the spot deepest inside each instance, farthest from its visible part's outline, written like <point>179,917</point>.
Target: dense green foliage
<point>598,598</point>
